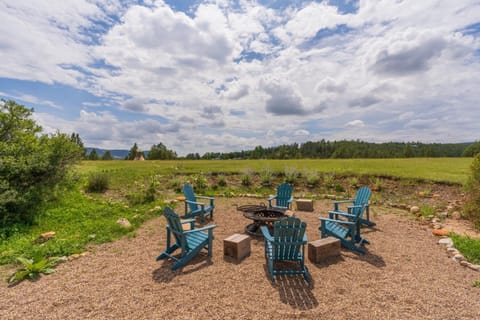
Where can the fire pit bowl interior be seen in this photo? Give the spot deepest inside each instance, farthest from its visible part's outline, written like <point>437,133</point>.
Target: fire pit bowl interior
<point>261,216</point>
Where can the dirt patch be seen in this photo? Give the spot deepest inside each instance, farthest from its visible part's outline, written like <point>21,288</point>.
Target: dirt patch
<point>404,275</point>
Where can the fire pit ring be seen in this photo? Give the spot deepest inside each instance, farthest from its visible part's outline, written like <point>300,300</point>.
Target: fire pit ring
<point>261,216</point>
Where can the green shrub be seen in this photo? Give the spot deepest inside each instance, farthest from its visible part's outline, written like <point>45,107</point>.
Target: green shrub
<point>291,174</point>
<point>175,185</point>
<point>339,188</point>
<point>329,179</point>
<point>312,178</point>
<point>266,177</point>
<point>222,182</point>
<point>246,180</point>
<point>199,183</point>
<point>98,182</point>
<point>472,205</point>
<point>353,181</point>
<point>377,184</point>
<point>32,164</point>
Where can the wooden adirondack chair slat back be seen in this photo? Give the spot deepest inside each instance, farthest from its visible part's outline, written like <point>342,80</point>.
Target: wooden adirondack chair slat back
<point>190,196</point>
<point>173,221</point>
<point>361,199</point>
<point>288,236</point>
<point>284,192</point>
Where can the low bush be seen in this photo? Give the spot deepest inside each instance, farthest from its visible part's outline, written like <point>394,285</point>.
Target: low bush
<point>98,182</point>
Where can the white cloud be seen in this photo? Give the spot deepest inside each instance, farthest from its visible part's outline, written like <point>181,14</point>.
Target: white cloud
<point>233,74</point>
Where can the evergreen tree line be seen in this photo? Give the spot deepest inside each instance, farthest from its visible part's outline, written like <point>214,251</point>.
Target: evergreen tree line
<point>344,149</point>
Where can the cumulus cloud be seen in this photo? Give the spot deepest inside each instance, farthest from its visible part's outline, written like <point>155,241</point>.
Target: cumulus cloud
<point>410,60</point>
<point>219,68</point>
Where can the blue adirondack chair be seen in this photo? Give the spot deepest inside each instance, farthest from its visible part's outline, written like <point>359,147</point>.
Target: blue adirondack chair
<point>190,241</point>
<point>345,227</point>
<point>283,198</point>
<point>361,198</point>
<point>193,207</point>
<point>286,244</point>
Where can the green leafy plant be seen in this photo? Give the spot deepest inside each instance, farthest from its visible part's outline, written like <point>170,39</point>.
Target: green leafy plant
<point>339,188</point>
<point>175,185</point>
<point>98,182</point>
<point>32,268</point>
<point>476,284</point>
<point>469,247</point>
<point>472,206</point>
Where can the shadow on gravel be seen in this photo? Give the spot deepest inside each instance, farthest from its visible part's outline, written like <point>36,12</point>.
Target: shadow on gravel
<point>165,273</point>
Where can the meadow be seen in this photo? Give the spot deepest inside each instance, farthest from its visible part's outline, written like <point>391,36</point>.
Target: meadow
<point>82,218</point>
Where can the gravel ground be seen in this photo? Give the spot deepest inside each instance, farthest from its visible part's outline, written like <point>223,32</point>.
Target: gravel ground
<point>405,275</point>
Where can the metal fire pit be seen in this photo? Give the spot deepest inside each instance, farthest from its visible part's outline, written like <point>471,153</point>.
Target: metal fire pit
<point>261,216</point>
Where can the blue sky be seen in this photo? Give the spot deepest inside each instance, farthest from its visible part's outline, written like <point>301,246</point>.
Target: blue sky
<point>227,75</point>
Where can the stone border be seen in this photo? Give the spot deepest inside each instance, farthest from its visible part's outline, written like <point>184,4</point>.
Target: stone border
<point>456,256</point>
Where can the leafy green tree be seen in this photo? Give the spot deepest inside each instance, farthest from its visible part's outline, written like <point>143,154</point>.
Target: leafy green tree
<point>93,155</point>
<point>75,138</point>
<point>160,152</point>
<point>32,164</point>
<point>472,150</point>
<point>472,206</point>
<point>107,155</point>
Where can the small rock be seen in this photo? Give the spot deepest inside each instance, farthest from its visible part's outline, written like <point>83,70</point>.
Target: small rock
<point>62,259</point>
<point>92,236</point>
<point>465,263</point>
<point>434,220</point>
<point>83,254</point>
<point>331,196</point>
<point>453,252</point>
<point>124,222</point>
<point>440,232</point>
<point>459,257</point>
<point>74,256</point>
<point>456,215</point>
<point>435,195</point>
<point>475,267</point>
<point>414,209</point>
<point>444,214</point>
<point>450,207</point>
<point>421,194</point>
<point>437,225</point>
<point>181,198</point>
<point>446,241</point>
<point>45,236</point>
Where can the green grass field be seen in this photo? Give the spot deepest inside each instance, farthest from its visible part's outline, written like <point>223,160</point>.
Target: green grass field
<point>451,170</point>
<point>81,218</point>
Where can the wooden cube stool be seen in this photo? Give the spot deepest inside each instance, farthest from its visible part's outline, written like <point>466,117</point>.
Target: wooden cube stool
<point>304,205</point>
<point>237,246</point>
<point>319,250</point>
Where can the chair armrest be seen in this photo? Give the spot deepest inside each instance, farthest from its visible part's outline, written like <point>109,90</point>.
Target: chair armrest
<point>194,202</point>
<point>341,213</point>
<point>305,240</point>
<point>344,201</point>
<point>290,200</point>
<point>200,229</point>
<point>271,198</point>
<point>204,197</point>
<point>187,221</point>
<point>337,221</point>
<point>266,234</point>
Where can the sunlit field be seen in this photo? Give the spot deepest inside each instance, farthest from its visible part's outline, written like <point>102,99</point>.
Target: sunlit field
<point>450,170</point>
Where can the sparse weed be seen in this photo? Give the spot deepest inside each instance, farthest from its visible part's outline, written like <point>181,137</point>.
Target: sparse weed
<point>291,174</point>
